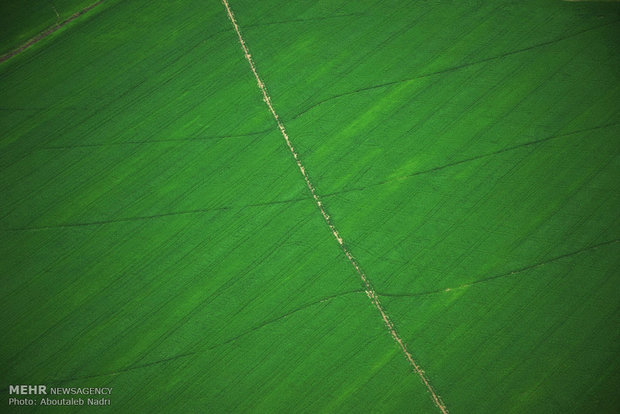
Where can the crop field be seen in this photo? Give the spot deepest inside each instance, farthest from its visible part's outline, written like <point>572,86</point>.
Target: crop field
<point>311,206</point>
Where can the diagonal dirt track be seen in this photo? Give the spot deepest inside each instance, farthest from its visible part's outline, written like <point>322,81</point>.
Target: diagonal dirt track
<point>369,290</point>
<point>49,31</point>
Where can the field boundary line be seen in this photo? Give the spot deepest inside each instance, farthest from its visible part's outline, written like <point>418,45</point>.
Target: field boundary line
<point>42,35</point>
<point>505,274</point>
<point>369,290</point>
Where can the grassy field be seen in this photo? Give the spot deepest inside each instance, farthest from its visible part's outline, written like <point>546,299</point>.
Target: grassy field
<point>158,237</point>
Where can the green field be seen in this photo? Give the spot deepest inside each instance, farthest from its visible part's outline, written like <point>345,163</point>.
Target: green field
<point>158,237</point>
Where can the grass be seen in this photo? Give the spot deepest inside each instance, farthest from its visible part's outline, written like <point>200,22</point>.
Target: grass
<point>159,239</point>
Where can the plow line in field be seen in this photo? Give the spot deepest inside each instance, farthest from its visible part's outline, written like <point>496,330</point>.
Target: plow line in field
<point>369,289</point>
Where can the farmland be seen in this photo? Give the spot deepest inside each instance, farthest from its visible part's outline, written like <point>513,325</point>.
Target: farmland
<point>159,238</point>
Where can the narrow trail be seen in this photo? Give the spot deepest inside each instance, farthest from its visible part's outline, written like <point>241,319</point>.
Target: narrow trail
<point>369,290</point>
<point>186,354</point>
<point>153,216</point>
<point>203,138</point>
<point>456,67</point>
<point>470,159</point>
<point>49,31</point>
<point>505,274</point>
